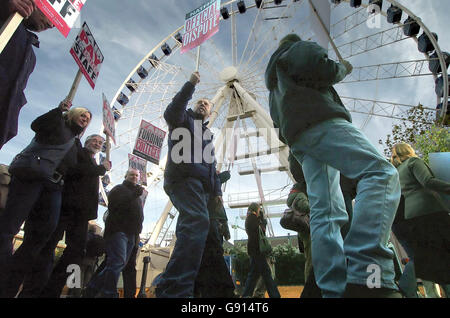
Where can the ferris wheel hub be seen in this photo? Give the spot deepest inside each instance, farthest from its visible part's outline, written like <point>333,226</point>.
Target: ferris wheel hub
<point>229,74</point>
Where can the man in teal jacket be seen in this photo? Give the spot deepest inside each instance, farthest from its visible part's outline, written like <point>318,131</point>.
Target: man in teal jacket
<point>317,127</point>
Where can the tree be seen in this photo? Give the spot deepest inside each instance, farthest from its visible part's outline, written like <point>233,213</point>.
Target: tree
<point>437,139</point>
<point>417,122</point>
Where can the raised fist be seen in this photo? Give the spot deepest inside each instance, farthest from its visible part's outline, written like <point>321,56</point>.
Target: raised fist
<point>195,78</point>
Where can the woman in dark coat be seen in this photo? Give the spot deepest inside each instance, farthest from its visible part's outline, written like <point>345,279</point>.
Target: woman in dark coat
<point>37,201</point>
<point>424,222</point>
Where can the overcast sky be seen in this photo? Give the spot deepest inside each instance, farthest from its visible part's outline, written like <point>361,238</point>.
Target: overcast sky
<point>127,30</point>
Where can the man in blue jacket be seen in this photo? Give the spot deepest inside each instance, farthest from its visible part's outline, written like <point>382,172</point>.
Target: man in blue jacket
<point>17,61</point>
<point>315,124</point>
<point>190,179</point>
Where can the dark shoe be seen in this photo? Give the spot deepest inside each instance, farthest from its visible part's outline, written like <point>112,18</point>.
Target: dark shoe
<point>362,291</point>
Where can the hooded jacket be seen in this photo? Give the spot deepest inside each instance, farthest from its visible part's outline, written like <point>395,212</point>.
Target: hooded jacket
<point>300,78</point>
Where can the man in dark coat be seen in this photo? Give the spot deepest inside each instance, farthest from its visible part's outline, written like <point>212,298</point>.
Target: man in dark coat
<point>190,180</point>
<point>79,205</point>
<point>258,261</point>
<point>17,61</point>
<point>122,228</point>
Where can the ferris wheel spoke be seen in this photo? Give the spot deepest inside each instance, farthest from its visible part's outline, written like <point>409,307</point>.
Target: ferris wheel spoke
<point>350,22</point>
<point>263,57</point>
<point>252,31</point>
<point>265,37</point>
<point>204,63</point>
<point>217,52</point>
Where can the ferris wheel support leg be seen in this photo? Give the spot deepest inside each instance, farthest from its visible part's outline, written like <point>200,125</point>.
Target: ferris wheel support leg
<point>263,120</point>
<point>223,140</point>
<point>217,102</point>
<point>160,223</point>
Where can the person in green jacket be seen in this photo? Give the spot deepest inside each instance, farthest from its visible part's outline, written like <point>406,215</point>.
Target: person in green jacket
<point>422,224</point>
<point>312,120</point>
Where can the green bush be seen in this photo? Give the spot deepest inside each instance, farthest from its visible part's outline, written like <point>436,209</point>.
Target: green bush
<point>289,264</point>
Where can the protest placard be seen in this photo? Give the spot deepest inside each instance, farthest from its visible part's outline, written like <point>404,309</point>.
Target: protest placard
<point>62,13</point>
<point>87,54</point>
<point>108,120</point>
<point>149,142</point>
<point>201,24</point>
<point>139,164</point>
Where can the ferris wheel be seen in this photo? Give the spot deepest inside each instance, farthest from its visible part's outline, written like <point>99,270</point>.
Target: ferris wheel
<point>393,72</point>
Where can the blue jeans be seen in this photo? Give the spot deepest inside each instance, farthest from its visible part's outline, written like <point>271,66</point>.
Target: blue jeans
<point>325,150</point>
<point>259,267</point>
<point>190,199</point>
<point>38,203</point>
<point>118,250</point>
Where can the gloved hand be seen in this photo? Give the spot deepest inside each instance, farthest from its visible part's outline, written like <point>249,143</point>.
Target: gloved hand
<point>225,231</point>
<point>348,66</point>
<point>139,190</point>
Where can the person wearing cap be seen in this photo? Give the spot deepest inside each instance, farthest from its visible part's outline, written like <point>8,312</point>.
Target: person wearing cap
<point>258,261</point>
<point>317,127</point>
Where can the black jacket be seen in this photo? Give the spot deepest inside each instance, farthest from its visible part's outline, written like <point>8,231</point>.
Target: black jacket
<point>17,62</point>
<point>125,209</point>
<point>252,223</point>
<point>81,186</point>
<point>177,116</point>
<point>52,129</point>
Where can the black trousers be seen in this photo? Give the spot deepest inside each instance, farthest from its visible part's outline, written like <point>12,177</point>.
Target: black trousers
<point>46,281</point>
<point>129,275</point>
<point>213,278</point>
